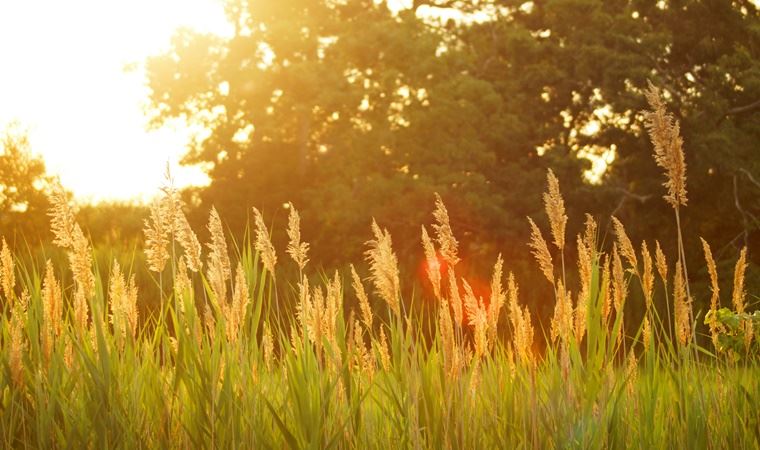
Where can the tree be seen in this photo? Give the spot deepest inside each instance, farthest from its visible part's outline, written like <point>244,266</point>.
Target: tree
<point>351,111</point>
<point>23,185</point>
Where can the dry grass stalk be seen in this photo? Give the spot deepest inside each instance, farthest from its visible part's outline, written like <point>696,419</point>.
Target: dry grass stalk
<point>433,266</point>
<point>182,284</point>
<point>555,209</point>
<point>361,360</point>
<point>69,235</point>
<point>61,217</point>
<point>604,289</point>
<point>682,308</point>
<point>619,290</point>
<point>117,293</point>
<point>715,289</point>
<point>444,235</point>
<point>454,298</point>
<point>296,249</point>
<point>632,370</point>
<point>497,300</point>
<point>361,294</point>
<point>304,306</point>
<point>52,310</point>
<point>477,318</point>
<point>17,345</point>
<point>385,355</point>
<point>236,311</point>
<point>619,286</point>
<point>661,263</point>
<point>739,293</point>
<point>448,344</point>
<point>646,334</point>
<point>522,329</point>
<point>80,260</point>
<point>624,243</point>
<point>219,270</point>
<point>263,243</point>
<point>7,272</point>
<point>647,275</point>
<point>384,267</point>
<point>267,345</point>
<point>541,251</point>
<point>189,242</point>
<point>123,302</point>
<point>562,321</point>
<point>331,315</point>
<point>157,231</point>
<point>580,314</point>
<point>589,235</point>
<point>585,268</point>
<point>664,132</point>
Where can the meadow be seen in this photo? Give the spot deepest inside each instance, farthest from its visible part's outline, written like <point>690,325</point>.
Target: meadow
<point>235,355</point>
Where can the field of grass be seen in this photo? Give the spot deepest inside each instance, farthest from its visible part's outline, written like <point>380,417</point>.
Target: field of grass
<point>227,360</point>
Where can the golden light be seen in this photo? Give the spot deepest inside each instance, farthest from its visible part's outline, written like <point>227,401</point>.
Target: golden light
<point>64,80</point>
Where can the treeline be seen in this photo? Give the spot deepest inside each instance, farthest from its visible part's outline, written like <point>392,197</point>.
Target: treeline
<point>352,111</point>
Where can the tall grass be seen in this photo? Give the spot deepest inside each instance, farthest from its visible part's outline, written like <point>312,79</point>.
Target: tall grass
<point>228,361</point>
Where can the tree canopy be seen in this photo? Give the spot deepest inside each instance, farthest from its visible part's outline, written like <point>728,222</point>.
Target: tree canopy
<point>23,187</point>
<point>352,111</point>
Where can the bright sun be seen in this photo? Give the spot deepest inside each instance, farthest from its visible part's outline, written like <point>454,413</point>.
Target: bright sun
<point>64,81</point>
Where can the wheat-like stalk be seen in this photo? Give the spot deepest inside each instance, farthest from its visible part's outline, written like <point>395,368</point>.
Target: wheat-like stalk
<point>522,329</point>
<point>448,343</point>
<point>239,307</point>
<point>541,251</point>
<point>562,321</point>
<point>219,267</point>
<point>455,298</point>
<point>739,294</point>
<point>384,267</point>
<point>604,289</point>
<point>7,272</point>
<point>61,217</point>
<point>157,231</point>
<point>646,334</point>
<point>555,210</point>
<point>189,242</point>
<point>625,245</point>
<point>661,263</point>
<point>296,249</point>
<point>715,289</point>
<point>267,345</point>
<point>496,301</point>
<point>682,308</point>
<point>17,345</point>
<point>647,275</point>
<point>52,310</point>
<point>433,266</point>
<point>361,294</point>
<point>263,243</point>
<point>445,237</point>
<point>385,354</point>
<point>664,132</point>
<point>117,299</point>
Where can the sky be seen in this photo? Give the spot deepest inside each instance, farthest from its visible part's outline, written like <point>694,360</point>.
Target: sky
<point>63,80</point>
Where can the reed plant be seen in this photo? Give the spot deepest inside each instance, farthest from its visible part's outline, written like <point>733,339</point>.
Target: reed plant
<point>236,357</point>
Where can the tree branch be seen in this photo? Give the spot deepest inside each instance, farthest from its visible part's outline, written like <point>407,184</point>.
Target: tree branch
<point>743,109</point>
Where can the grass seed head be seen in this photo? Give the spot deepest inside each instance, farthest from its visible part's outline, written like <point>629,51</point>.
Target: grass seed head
<point>263,243</point>
<point>555,209</point>
<point>444,235</point>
